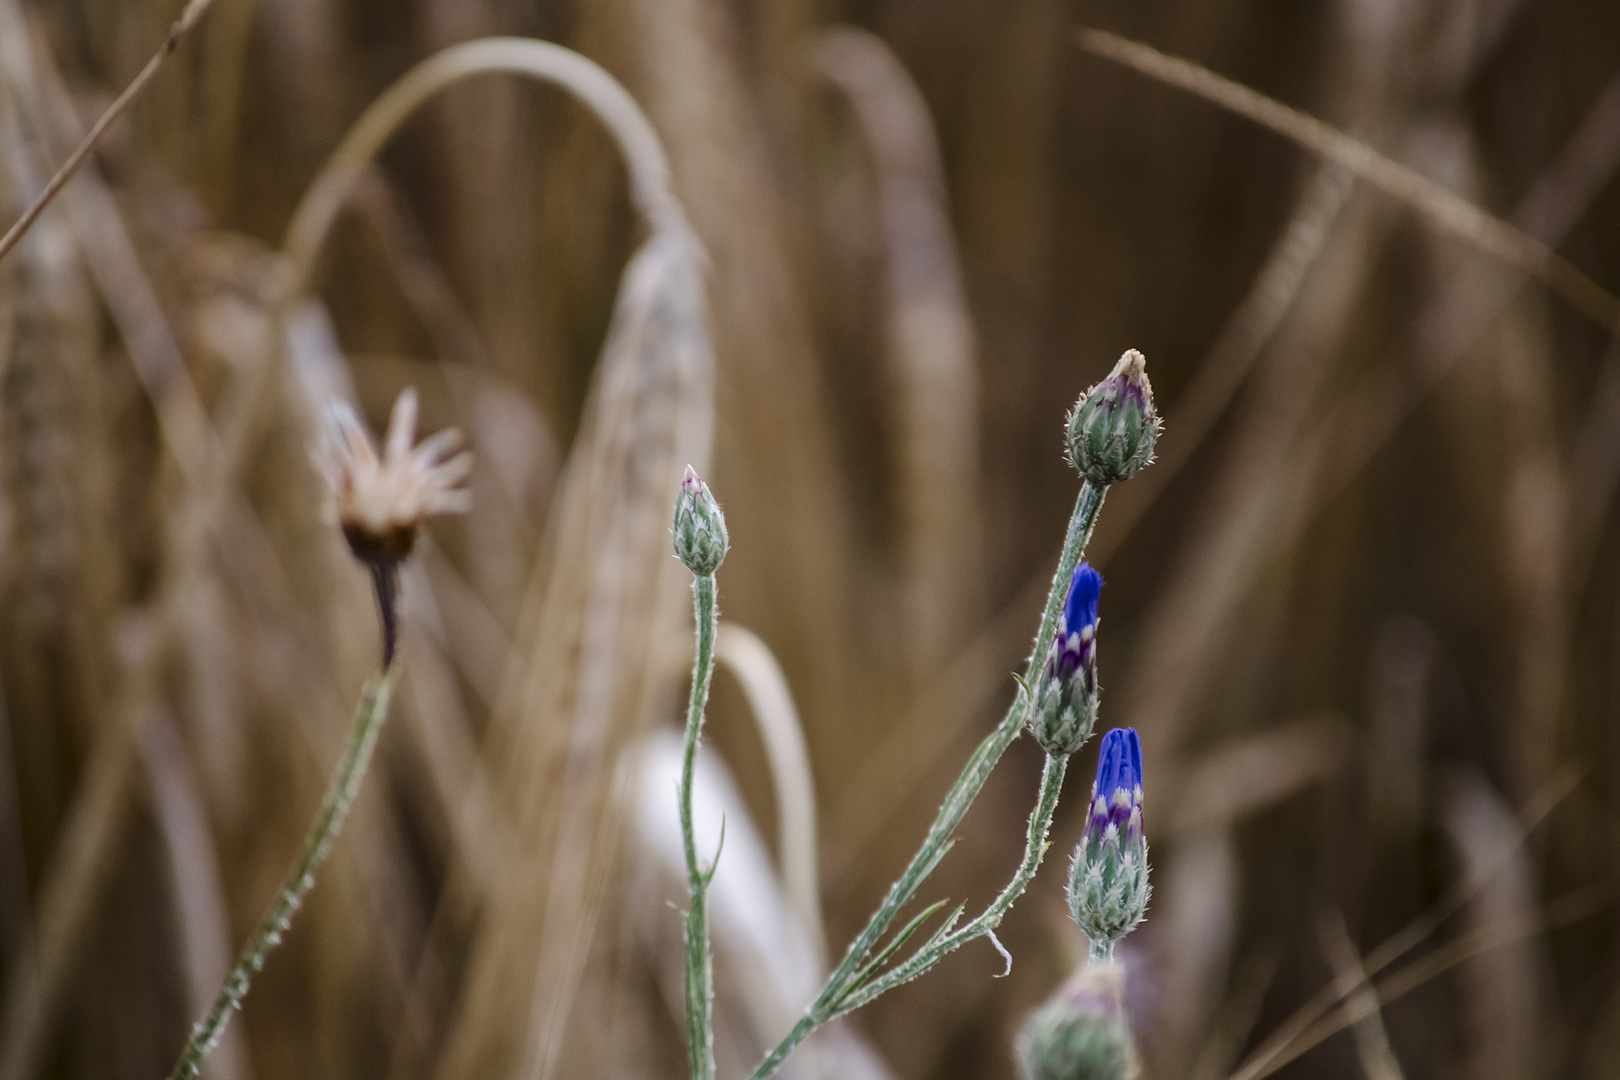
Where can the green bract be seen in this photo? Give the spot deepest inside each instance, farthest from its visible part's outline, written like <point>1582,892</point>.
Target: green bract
<point>700,528</point>
<point>1080,1032</point>
<point>1113,427</point>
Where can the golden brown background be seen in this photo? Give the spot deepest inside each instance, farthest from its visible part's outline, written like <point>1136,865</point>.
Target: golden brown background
<point>1364,610</point>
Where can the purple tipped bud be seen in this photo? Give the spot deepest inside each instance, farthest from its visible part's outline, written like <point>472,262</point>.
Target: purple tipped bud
<point>1113,427</point>
<point>1116,795</point>
<point>701,540</point>
<point>1108,883</point>
<point>1064,706</point>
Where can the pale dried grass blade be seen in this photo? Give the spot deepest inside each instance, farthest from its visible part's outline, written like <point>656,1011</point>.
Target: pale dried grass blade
<point>934,725</point>
<point>56,585</point>
<point>112,262</point>
<point>930,344</point>
<point>1198,903</point>
<point>1378,1060</point>
<point>1234,1023</point>
<point>446,750</point>
<point>1249,774</point>
<point>479,838</point>
<point>771,701</point>
<point>767,964</point>
<point>16,910</point>
<point>600,632</point>
<point>788,576</point>
<point>330,190</point>
<point>69,892</point>
<point>1335,449</point>
<point>1503,1011</point>
<point>603,601</point>
<point>1402,669</point>
<point>1588,161</point>
<point>455,335</point>
<point>1253,324</point>
<point>1572,907</point>
<point>110,255</point>
<point>1262,478</point>
<point>201,914</point>
<point>467,630</point>
<point>189,15</point>
<point>1451,212</point>
<point>1195,921</point>
<point>1300,1030</point>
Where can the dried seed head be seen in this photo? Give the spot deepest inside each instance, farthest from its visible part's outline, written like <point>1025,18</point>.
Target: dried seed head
<point>381,503</point>
<point>1113,427</point>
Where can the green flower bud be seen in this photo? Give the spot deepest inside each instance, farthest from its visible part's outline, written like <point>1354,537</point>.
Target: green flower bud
<point>1108,881</point>
<point>1063,708</point>
<point>1113,426</point>
<point>1080,1032</point>
<point>700,528</point>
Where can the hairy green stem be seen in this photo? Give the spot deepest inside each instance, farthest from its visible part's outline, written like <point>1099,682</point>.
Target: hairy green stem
<point>699,965</point>
<point>1035,845</point>
<point>843,980</point>
<point>373,709</point>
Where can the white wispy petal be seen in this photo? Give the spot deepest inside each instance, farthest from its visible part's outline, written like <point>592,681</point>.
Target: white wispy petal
<point>395,493</point>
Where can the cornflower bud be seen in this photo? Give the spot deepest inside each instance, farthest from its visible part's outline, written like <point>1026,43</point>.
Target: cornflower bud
<point>1081,1031</point>
<point>1108,882</point>
<point>1113,427</point>
<point>700,528</point>
<point>1064,708</point>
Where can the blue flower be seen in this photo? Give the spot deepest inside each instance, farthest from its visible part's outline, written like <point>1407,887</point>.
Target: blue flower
<point>1077,636</point>
<point>1085,588</point>
<point>1064,701</point>
<point>1108,881</point>
<point>1116,796</point>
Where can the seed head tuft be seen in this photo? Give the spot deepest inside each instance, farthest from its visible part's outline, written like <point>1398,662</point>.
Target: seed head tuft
<point>381,503</point>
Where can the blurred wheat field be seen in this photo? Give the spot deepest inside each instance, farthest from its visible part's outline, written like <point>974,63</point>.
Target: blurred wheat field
<point>1365,610</point>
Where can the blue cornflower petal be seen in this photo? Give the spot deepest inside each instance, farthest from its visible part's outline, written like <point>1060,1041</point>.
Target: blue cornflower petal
<point>1085,589</point>
<point>1119,763</point>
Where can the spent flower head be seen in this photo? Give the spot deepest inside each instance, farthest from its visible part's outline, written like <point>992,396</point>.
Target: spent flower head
<point>382,502</point>
<point>1064,706</point>
<point>701,540</point>
<point>1081,1032</point>
<point>1113,427</point>
<point>1108,882</point>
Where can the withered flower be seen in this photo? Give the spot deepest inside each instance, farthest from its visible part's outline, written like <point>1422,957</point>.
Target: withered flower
<point>382,503</point>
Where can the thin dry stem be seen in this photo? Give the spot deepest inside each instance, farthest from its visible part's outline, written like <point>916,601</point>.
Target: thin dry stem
<point>1269,1056</point>
<point>1378,1060</point>
<point>1578,905</point>
<point>644,155</point>
<point>189,15</point>
<point>1451,212</point>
